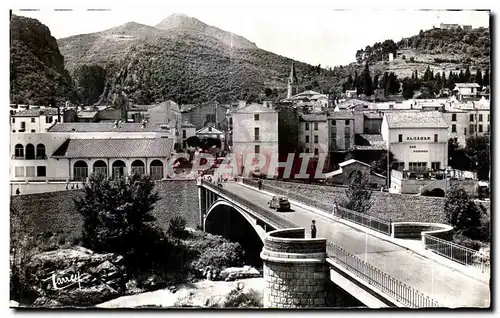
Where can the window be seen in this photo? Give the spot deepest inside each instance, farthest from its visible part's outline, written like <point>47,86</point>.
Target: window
<point>48,119</point>
<point>257,148</point>
<point>315,139</point>
<point>210,118</point>
<point>33,119</point>
<point>32,130</point>
<point>480,117</point>
<point>41,171</point>
<point>453,128</point>
<point>23,126</point>
<point>347,122</point>
<point>256,117</point>
<point>465,131</point>
<point>19,172</point>
<point>435,166</point>
<point>488,117</point>
<point>400,166</point>
<point>307,126</point>
<point>13,120</point>
<point>418,166</point>
<point>334,122</point>
<point>435,137</point>
<point>471,117</point>
<point>40,151</point>
<point>454,117</point>
<point>184,133</point>
<point>480,128</point>
<point>347,138</point>
<point>256,133</point>
<point>30,151</point>
<point>30,172</point>
<point>307,139</point>
<point>230,120</point>
<point>488,128</point>
<point>19,151</point>
<point>315,126</point>
<point>316,151</point>
<point>307,150</point>
<point>471,129</point>
<point>400,138</point>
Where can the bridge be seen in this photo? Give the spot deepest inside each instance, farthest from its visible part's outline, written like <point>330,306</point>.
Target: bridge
<point>374,271</point>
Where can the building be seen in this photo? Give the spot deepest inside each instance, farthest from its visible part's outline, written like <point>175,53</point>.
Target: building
<point>255,131</point>
<point>449,26</point>
<point>72,151</point>
<point>202,115</point>
<point>341,130</point>
<point>466,90</point>
<point>34,120</point>
<point>418,140</point>
<point>313,133</point>
<point>458,123</point>
<point>478,117</point>
<point>314,101</point>
<point>187,130</point>
<point>350,169</point>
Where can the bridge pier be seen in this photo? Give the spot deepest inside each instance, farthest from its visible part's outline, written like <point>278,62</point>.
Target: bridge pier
<point>295,270</point>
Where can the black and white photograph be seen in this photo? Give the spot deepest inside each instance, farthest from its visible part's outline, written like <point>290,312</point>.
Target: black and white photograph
<point>255,157</point>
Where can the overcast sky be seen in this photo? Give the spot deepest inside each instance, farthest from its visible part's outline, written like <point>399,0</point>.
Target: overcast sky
<point>326,37</point>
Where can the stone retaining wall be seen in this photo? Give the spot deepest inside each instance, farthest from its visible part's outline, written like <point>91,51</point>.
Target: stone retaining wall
<point>414,230</point>
<point>295,270</point>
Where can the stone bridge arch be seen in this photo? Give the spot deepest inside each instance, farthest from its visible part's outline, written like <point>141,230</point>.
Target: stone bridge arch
<point>230,221</point>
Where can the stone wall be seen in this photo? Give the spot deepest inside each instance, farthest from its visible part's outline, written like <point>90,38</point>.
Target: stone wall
<point>414,230</point>
<point>295,270</point>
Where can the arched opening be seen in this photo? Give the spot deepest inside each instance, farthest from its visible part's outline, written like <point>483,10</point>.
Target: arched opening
<point>355,176</point>
<point>40,151</point>
<point>119,168</point>
<point>226,221</point>
<point>100,167</point>
<point>156,170</point>
<point>30,151</point>
<point>19,151</point>
<point>138,167</point>
<point>80,170</point>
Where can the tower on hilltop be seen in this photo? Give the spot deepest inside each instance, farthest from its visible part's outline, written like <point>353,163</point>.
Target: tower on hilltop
<point>292,82</point>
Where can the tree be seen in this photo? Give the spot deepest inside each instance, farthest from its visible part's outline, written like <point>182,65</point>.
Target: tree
<point>460,211</point>
<point>477,150</point>
<point>367,81</point>
<point>268,91</point>
<point>486,79</point>
<point>116,213</point>
<point>380,166</point>
<point>349,85</point>
<point>359,193</point>
<point>358,82</point>
<point>467,75</point>
<point>458,158</point>
<point>90,80</point>
<point>375,81</point>
<point>479,78</point>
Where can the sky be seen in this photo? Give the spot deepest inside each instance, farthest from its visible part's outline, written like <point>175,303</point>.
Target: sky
<point>326,37</point>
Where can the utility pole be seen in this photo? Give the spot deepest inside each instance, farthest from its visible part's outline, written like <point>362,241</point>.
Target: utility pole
<point>388,167</point>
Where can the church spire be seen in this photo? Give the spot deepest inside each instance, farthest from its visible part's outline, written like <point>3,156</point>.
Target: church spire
<point>292,82</point>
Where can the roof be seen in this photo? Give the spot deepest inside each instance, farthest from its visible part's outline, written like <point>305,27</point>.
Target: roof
<point>187,107</point>
<point>310,95</point>
<point>460,85</point>
<point>205,130</point>
<point>36,112</point>
<point>314,117</point>
<point>169,103</point>
<point>254,108</point>
<point>103,127</point>
<point>140,108</point>
<point>405,119</point>
<point>341,114</point>
<point>351,161</point>
<point>187,125</point>
<point>87,114</point>
<point>369,142</point>
<point>115,148</point>
<point>372,115</point>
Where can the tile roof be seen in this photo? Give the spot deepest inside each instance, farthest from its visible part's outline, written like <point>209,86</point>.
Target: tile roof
<point>115,148</point>
<point>314,117</point>
<point>460,85</point>
<point>206,130</point>
<point>104,127</point>
<point>254,108</point>
<point>36,112</point>
<point>369,142</point>
<point>425,119</point>
<point>372,115</point>
<point>341,114</point>
<point>87,114</point>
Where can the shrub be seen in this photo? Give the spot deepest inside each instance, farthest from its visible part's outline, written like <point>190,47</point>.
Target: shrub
<point>461,212</point>
<point>177,227</point>
<point>358,194</point>
<point>239,299</point>
<point>412,59</point>
<point>227,254</point>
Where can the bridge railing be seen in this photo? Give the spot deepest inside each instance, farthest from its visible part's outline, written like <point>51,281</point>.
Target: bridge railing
<point>457,253</point>
<point>272,218</point>
<point>372,222</point>
<point>389,285</point>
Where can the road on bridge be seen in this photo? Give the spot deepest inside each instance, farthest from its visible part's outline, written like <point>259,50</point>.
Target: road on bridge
<point>451,288</point>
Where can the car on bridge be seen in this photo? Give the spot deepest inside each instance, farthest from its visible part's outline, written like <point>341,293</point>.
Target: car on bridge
<point>279,203</point>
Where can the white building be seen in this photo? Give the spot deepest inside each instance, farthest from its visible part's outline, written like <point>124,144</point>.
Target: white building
<point>313,133</point>
<point>34,120</point>
<point>466,90</point>
<point>317,102</point>
<point>72,151</point>
<point>255,131</point>
<point>418,140</point>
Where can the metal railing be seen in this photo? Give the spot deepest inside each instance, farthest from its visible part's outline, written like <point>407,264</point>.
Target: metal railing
<point>267,215</point>
<point>368,221</point>
<point>372,222</point>
<point>457,253</point>
<point>389,285</point>
<point>373,276</point>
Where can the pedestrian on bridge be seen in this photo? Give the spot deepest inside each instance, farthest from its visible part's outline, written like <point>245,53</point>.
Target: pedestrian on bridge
<point>313,229</point>
<point>259,183</point>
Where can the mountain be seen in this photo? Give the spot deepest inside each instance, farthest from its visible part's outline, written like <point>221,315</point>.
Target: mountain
<point>183,59</point>
<point>37,73</point>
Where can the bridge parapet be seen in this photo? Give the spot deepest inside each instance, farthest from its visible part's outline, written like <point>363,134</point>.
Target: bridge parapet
<point>295,270</point>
